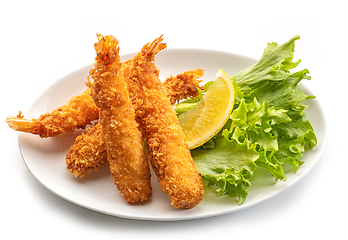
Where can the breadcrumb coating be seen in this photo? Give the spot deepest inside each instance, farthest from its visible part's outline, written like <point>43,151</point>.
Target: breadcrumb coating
<point>88,153</point>
<point>129,166</point>
<point>80,160</point>
<point>183,85</point>
<point>169,154</point>
<point>80,110</point>
<point>127,97</point>
<point>77,113</point>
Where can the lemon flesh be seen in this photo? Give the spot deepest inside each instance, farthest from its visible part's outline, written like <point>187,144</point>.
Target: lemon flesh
<point>203,122</point>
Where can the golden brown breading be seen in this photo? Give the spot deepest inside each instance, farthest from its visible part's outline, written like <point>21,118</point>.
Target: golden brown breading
<point>78,112</point>
<point>129,166</point>
<point>169,154</point>
<point>88,153</point>
<point>183,85</point>
<point>80,159</point>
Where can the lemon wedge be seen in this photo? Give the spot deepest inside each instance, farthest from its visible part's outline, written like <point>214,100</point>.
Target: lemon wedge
<point>204,121</point>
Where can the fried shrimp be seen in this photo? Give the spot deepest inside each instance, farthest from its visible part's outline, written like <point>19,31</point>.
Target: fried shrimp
<point>183,85</point>
<point>88,152</point>
<point>78,112</point>
<point>123,141</point>
<point>169,154</point>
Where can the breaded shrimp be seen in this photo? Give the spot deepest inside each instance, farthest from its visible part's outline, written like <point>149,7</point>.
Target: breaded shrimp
<point>78,112</point>
<point>126,155</point>
<point>183,85</point>
<point>169,154</point>
<point>88,152</point>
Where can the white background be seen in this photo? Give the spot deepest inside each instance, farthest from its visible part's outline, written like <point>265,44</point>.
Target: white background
<point>42,41</point>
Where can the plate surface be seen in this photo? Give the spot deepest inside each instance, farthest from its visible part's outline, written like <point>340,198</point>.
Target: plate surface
<point>45,158</point>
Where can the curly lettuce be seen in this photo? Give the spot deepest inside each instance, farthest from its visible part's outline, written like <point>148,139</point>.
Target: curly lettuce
<point>267,128</point>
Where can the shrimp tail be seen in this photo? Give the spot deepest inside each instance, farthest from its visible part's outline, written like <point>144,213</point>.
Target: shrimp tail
<point>150,50</point>
<point>20,124</point>
<point>77,113</point>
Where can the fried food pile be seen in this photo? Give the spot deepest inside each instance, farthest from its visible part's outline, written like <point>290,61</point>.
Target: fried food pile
<point>132,106</point>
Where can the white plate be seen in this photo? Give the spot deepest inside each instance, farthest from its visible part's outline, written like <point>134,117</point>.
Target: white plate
<point>45,158</point>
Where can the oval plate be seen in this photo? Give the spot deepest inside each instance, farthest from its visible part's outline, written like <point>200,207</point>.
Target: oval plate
<point>45,158</point>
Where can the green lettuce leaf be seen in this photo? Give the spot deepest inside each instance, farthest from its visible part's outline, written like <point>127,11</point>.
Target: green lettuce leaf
<point>281,120</point>
<point>273,65</point>
<point>229,165</point>
<point>267,128</point>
